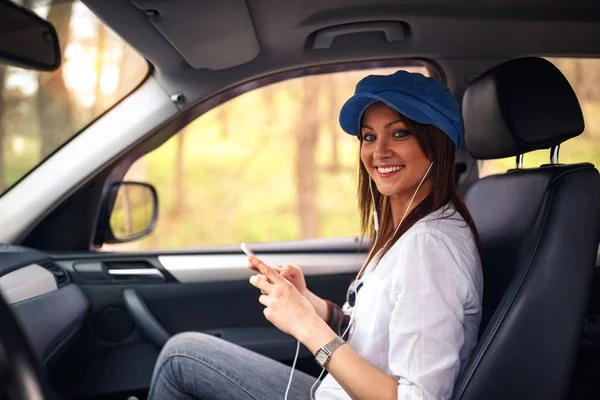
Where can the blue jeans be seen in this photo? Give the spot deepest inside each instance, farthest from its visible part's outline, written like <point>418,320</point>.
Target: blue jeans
<point>199,366</point>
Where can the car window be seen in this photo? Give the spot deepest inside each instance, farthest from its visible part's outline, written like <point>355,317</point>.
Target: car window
<point>269,165</point>
<point>40,111</point>
<point>584,75</point>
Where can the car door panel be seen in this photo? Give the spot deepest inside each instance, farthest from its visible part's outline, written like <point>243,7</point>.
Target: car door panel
<point>202,291</point>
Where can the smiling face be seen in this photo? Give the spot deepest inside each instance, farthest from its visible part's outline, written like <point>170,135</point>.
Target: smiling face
<point>392,156</point>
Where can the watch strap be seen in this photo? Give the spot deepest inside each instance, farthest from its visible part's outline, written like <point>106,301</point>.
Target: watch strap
<point>334,344</point>
<point>325,352</point>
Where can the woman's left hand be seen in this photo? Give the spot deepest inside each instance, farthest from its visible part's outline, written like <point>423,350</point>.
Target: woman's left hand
<point>285,308</point>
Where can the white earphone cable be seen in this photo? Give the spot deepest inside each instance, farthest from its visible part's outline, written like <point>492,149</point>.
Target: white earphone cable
<point>375,219</point>
<point>354,321</point>
<point>411,200</point>
<point>292,373</point>
<point>376,225</point>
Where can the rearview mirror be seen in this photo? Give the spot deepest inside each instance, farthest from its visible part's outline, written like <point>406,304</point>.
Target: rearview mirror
<point>27,40</point>
<point>129,212</point>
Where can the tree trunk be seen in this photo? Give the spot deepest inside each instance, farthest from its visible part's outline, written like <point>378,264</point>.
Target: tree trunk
<point>223,120</point>
<point>307,130</point>
<point>2,127</point>
<point>270,100</point>
<point>101,44</point>
<point>179,176</point>
<point>127,212</point>
<point>333,116</point>
<point>130,70</point>
<point>54,106</point>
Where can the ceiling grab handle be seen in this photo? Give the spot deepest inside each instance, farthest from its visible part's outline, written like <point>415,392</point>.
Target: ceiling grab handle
<point>394,32</point>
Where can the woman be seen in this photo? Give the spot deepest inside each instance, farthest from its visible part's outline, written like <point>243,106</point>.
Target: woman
<point>416,304</point>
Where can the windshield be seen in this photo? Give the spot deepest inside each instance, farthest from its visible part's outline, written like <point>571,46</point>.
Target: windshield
<point>41,111</point>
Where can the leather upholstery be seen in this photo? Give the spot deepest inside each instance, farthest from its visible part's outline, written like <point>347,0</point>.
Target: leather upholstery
<point>521,105</point>
<point>539,230</point>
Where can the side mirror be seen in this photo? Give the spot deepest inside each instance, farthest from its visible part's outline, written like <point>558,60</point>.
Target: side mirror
<point>27,40</point>
<point>129,212</point>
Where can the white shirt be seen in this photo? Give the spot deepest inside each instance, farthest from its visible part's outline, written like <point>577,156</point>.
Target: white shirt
<point>418,312</point>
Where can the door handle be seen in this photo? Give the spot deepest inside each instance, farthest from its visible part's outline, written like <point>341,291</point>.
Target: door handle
<point>146,322</point>
<point>151,273</point>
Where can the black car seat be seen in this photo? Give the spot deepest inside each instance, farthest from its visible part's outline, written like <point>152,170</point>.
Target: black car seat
<point>586,376</point>
<point>539,229</point>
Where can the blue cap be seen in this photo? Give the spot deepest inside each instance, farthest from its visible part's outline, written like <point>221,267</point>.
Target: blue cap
<point>415,96</point>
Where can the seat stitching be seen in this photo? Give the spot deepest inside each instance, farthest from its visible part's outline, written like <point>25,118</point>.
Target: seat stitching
<point>512,295</point>
<point>518,286</point>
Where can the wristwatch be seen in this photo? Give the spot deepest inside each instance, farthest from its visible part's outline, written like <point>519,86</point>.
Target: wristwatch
<point>325,352</point>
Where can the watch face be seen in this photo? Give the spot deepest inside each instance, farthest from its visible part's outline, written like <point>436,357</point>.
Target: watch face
<point>321,357</point>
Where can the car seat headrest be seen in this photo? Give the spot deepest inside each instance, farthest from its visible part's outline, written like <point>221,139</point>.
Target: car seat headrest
<point>518,106</point>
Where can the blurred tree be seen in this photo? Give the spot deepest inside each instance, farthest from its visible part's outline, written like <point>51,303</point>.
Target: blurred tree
<point>179,203</point>
<point>270,100</point>
<point>333,121</point>
<point>223,120</point>
<point>53,102</point>
<point>2,127</point>
<point>589,80</point>
<point>101,45</point>
<point>307,130</point>
<point>4,99</point>
<point>129,70</point>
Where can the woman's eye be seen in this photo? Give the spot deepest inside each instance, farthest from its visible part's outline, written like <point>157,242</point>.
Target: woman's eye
<point>368,137</point>
<point>401,134</point>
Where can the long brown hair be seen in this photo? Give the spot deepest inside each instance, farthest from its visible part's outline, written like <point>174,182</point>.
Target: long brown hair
<point>438,148</point>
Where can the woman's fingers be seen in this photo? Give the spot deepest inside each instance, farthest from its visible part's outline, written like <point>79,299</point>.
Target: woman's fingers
<point>252,267</point>
<point>261,282</point>
<point>287,271</point>
<point>266,270</point>
<point>265,300</point>
<point>277,269</point>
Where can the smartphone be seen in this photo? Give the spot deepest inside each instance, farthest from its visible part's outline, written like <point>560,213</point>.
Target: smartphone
<point>249,253</point>
<point>246,250</point>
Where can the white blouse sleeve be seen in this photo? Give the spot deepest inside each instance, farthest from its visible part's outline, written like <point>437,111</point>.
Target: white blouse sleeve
<point>426,326</point>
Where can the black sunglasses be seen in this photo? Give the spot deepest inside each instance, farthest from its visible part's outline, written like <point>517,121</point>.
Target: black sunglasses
<point>353,292</point>
<point>351,301</point>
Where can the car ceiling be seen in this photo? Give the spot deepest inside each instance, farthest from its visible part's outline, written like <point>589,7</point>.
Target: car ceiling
<point>271,36</point>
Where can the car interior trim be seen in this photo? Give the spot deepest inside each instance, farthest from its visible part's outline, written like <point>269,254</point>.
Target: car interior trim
<point>206,268</point>
<point>26,283</point>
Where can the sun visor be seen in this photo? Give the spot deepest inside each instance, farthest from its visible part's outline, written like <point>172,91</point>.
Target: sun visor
<point>212,34</point>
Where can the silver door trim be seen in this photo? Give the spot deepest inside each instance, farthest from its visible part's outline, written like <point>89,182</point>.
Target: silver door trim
<point>134,272</point>
<point>207,268</point>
